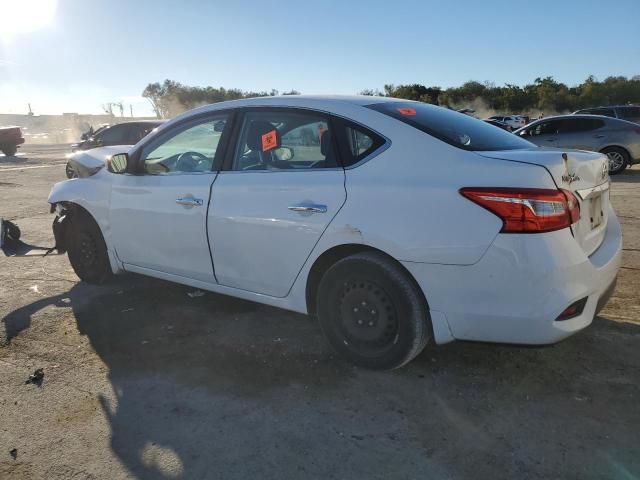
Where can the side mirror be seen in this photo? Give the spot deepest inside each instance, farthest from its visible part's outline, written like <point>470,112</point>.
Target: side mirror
<point>118,163</point>
<point>283,153</point>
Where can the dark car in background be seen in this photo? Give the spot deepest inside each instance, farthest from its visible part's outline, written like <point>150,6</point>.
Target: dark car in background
<point>618,139</point>
<point>127,133</point>
<point>630,113</point>
<point>10,138</point>
<point>499,124</point>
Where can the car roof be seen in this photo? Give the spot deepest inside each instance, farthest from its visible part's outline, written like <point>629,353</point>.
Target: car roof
<point>299,101</point>
<point>610,106</point>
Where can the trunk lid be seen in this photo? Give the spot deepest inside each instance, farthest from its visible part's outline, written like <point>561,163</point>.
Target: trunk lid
<point>583,173</point>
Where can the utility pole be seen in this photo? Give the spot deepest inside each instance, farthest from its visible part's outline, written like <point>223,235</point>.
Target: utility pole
<point>30,111</point>
<point>131,109</point>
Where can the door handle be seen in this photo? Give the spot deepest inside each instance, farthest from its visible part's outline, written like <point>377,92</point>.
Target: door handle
<point>189,202</point>
<point>308,208</point>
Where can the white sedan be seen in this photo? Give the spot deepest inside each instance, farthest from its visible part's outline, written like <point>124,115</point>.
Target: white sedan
<point>399,224</point>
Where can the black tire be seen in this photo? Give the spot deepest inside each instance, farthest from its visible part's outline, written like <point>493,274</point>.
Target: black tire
<point>372,313</point>
<point>71,173</point>
<point>618,159</point>
<point>9,150</point>
<point>86,248</point>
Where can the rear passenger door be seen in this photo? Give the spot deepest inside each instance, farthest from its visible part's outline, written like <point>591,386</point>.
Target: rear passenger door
<point>279,190</point>
<point>581,133</point>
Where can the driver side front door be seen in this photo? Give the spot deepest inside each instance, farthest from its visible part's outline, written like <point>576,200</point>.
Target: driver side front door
<point>158,217</point>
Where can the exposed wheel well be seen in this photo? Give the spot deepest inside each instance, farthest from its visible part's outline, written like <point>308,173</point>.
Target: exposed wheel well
<point>619,148</point>
<point>330,257</point>
<point>60,228</point>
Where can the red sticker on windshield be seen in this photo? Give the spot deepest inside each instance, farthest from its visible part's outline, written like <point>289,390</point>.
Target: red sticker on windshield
<point>407,110</point>
<point>269,140</point>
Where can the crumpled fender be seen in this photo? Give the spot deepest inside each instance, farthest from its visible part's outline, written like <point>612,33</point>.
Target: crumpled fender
<point>93,194</point>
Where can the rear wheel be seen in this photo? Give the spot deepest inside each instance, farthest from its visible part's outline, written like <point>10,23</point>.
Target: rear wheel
<point>86,248</point>
<point>9,150</point>
<point>618,159</point>
<point>371,312</point>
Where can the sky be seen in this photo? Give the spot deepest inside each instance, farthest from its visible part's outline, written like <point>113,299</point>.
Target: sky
<point>76,55</point>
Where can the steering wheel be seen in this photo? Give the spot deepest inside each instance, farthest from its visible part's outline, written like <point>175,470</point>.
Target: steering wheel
<point>189,161</point>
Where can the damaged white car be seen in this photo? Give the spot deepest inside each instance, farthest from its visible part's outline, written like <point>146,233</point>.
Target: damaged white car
<point>397,223</point>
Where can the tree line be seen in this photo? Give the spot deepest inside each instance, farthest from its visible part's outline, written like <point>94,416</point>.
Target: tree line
<point>543,95</point>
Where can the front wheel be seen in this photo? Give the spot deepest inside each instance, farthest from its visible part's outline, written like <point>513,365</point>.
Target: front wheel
<point>87,249</point>
<point>9,150</point>
<point>71,173</point>
<point>618,159</point>
<point>372,313</point>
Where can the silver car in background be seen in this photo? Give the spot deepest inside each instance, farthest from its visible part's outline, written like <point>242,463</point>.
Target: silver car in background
<point>618,139</point>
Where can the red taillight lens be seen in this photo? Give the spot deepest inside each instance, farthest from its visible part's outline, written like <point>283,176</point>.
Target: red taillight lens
<point>527,210</point>
<point>573,205</point>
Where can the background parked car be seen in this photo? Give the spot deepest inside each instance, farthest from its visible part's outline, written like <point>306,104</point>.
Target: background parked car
<point>10,138</point>
<point>630,113</point>
<point>128,133</point>
<point>619,139</point>
<point>514,121</point>
<point>497,123</point>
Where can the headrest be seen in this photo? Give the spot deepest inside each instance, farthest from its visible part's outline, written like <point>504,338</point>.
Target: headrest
<point>262,136</point>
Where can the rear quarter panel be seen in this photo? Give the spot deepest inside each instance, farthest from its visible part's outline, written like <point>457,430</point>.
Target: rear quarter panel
<point>406,201</point>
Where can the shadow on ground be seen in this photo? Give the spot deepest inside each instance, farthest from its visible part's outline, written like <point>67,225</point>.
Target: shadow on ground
<point>216,387</point>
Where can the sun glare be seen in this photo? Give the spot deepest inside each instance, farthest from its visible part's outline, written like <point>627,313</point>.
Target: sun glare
<point>25,16</point>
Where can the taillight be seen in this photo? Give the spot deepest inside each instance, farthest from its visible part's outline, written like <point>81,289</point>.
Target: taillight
<point>527,210</point>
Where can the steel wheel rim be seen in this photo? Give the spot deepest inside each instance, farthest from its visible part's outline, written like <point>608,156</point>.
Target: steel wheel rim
<point>616,160</point>
<point>368,318</point>
<point>88,250</point>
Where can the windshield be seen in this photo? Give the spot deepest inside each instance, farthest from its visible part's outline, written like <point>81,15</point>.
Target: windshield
<point>454,128</point>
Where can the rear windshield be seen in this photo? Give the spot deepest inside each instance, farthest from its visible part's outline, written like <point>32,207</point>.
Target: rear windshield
<point>454,128</point>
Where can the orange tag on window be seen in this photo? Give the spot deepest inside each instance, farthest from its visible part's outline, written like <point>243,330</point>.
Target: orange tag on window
<point>269,140</point>
<point>407,110</point>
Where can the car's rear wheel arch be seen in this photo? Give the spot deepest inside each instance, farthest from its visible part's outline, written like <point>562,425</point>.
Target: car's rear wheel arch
<point>333,255</point>
<point>623,151</point>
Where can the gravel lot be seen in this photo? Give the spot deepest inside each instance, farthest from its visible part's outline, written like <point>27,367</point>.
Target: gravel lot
<point>142,381</point>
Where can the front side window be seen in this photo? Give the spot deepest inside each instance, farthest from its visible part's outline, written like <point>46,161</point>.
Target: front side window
<point>607,112</point>
<point>190,149</point>
<point>116,135</point>
<point>285,140</point>
<point>632,113</point>
<point>457,129</point>
<point>545,128</point>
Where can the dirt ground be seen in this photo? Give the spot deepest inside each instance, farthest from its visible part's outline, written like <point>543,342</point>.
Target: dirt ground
<point>143,381</point>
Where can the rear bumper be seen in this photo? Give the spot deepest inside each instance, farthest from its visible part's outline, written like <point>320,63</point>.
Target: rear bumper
<point>521,285</point>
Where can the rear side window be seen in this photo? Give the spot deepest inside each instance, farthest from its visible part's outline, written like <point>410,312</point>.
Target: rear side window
<point>454,128</point>
<point>629,112</point>
<point>576,125</point>
<point>357,142</point>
